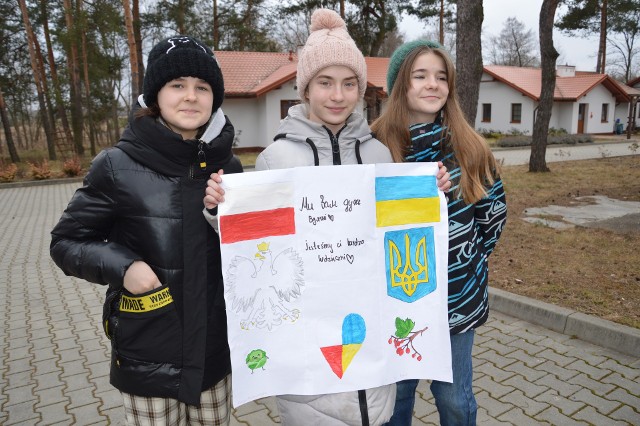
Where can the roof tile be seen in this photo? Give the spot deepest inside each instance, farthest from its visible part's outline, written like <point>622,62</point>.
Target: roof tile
<point>377,72</point>
<point>528,82</point>
<point>263,71</point>
<point>255,73</point>
<point>244,72</point>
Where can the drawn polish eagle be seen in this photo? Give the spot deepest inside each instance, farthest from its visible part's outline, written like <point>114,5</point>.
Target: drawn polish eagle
<point>265,286</point>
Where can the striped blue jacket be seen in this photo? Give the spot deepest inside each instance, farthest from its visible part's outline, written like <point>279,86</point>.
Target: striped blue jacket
<point>474,230</point>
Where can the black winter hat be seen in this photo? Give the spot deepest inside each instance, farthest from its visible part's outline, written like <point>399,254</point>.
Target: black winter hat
<point>182,56</point>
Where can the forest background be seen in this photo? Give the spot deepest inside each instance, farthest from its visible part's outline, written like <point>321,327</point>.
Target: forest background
<point>70,70</point>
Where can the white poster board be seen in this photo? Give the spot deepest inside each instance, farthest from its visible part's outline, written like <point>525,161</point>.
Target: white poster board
<point>335,278</point>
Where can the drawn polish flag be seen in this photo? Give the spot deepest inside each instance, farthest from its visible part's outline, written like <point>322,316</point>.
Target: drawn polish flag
<point>258,211</point>
<point>401,200</point>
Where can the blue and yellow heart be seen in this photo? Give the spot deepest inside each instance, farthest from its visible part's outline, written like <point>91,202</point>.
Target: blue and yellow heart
<point>339,357</point>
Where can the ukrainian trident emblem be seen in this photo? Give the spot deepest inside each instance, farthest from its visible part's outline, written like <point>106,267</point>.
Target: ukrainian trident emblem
<point>410,263</point>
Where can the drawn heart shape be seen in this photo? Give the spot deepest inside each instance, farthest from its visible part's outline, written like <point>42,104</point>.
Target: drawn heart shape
<point>354,332</point>
<point>350,258</point>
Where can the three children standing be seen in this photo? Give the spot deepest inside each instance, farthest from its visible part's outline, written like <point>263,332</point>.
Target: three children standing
<point>136,225</point>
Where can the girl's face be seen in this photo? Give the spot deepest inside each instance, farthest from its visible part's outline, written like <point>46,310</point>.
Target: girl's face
<point>185,105</point>
<point>332,95</point>
<point>429,89</point>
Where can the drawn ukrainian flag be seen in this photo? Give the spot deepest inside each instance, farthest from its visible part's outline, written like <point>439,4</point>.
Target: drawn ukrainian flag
<point>402,200</point>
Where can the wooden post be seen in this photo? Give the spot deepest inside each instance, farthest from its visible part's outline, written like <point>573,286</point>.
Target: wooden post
<point>632,103</point>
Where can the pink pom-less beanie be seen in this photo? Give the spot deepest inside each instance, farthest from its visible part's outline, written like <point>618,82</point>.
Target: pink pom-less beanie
<point>329,44</point>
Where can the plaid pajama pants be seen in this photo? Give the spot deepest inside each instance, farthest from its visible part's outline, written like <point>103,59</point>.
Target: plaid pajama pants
<point>215,408</point>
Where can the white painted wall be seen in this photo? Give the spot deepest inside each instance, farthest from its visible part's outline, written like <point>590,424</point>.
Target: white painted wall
<point>595,98</point>
<point>256,120</point>
<point>243,114</point>
<point>622,112</point>
<point>501,96</point>
<point>272,108</point>
<point>564,115</point>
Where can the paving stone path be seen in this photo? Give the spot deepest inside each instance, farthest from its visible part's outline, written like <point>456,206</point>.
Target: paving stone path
<point>55,368</point>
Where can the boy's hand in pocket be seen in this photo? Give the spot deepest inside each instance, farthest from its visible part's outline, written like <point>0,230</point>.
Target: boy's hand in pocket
<point>140,278</point>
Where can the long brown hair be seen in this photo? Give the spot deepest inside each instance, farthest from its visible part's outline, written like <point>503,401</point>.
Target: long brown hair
<point>477,164</point>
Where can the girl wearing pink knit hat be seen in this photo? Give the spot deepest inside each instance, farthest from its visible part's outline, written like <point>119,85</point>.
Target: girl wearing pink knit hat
<point>326,129</point>
<point>323,130</point>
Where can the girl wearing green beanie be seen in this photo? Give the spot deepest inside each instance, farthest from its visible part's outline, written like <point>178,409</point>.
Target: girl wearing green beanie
<point>423,121</point>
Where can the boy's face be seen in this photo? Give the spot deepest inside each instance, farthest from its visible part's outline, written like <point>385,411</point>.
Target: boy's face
<point>185,105</point>
<point>429,88</point>
<point>332,95</point>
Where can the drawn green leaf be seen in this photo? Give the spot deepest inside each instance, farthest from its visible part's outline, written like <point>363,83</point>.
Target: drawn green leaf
<point>404,327</point>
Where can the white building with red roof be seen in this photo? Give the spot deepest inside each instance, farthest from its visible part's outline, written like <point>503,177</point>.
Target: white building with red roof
<point>583,102</point>
<point>260,88</point>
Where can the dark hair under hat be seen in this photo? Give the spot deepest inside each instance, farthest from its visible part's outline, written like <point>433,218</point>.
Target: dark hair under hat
<point>182,56</point>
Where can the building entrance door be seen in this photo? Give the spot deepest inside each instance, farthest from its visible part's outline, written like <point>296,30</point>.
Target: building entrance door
<point>582,111</point>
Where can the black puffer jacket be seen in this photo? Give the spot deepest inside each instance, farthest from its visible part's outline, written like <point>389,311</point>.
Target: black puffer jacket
<point>142,200</point>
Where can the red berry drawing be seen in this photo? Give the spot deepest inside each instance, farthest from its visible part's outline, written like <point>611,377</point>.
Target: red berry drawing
<point>402,340</point>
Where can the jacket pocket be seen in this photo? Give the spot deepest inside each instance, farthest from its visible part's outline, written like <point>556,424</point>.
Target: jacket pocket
<point>148,328</point>
<point>110,312</point>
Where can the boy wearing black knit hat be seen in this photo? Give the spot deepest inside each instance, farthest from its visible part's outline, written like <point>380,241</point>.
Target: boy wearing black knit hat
<point>137,227</point>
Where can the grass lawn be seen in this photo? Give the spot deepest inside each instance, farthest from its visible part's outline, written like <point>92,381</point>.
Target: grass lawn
<point>593,271</point>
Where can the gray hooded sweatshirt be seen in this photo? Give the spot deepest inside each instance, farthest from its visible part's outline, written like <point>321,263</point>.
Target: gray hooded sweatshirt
<point>301,142</point>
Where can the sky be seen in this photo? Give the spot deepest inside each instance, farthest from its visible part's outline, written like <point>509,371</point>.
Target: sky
<point>574,50</point>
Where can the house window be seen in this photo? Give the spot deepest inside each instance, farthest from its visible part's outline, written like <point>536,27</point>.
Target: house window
<point>605,113</point>
<point>285,105</point>
<point>486,113</point>
<point>516,113</point>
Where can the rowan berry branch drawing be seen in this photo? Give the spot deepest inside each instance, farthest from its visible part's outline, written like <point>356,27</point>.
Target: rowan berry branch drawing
<point>402,340</point>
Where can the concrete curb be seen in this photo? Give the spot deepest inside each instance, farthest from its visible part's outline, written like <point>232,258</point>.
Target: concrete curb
<point>28,183</point>
<point>591,329</point>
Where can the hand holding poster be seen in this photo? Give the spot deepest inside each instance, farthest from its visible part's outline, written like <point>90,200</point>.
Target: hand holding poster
<point>335,278</point>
